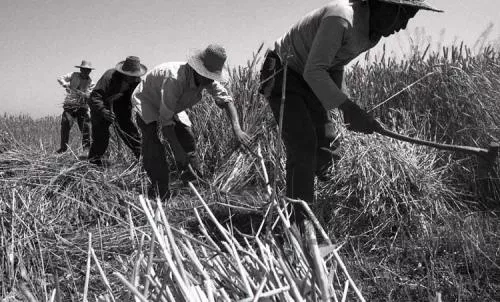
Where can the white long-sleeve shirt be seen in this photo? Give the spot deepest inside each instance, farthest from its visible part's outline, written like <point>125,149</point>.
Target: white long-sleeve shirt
<point>76,85</point>
<point>169,89</point>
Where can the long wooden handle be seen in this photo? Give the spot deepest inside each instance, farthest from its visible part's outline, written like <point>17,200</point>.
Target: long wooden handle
<point>466,149</point>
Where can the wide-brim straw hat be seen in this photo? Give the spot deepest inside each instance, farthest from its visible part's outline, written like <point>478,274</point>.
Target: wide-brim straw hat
<point>132,67</point>
<point>85,64</point>
<point>210,62</point>
<point>421,4</point>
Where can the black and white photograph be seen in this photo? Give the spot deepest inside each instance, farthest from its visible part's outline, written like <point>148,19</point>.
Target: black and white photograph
<point>203,151</point>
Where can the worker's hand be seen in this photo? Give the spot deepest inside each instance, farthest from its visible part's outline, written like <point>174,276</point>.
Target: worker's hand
<point>79,92</point>
<point>108,115</point>
<point>357,119</point>
<point>242,137</point>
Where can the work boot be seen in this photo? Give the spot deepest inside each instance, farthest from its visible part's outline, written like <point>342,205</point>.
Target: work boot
<point>100,162</point>
<point>61,150</point>
<point>162,192</point>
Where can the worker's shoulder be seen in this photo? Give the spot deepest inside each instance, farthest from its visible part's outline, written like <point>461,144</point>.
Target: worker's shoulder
<point>70,75</point>
<point>167,69</point>
<point>106,78</point>
<point>339,8</point>
<point>109,73</point>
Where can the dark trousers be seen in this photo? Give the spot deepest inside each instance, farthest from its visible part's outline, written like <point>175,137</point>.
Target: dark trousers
<point>125,128</point>
<point>68,118</point>
<point>154,159</point>
<point>307,127</point>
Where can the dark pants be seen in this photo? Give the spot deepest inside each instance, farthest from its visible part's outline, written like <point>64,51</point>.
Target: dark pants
<point>154,159</point>
<point>125,128</point>
<point>68,118</point>
<point>307,127</point>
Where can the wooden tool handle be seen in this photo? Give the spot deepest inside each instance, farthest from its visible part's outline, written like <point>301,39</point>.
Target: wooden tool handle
<point>466,149</point>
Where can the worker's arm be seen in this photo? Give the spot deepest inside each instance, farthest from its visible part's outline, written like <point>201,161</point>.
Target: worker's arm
<point>327,42</point>
<point>98,95</point>
<point>223,100</point>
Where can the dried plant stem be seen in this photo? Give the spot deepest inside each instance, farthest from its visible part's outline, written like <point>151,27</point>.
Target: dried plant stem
<point>293,286</point>
<point>182,285</point>
<point>351,281</point>
<point>87,272</point>
<point>269,294</point>
<point>318,262</point>
<point>150,258</point>
<point>258,294</point>
<point>26,292</point>
<point>103,275</point>
<point>346,288</point>
<point>171,240</point>
<point>131,287</point>
<point>401,91</point>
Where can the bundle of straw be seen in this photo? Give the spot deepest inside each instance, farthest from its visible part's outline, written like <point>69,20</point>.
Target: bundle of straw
<point>179,267</point>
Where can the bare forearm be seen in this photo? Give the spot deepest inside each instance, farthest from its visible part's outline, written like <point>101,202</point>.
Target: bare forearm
<point>233,116</point>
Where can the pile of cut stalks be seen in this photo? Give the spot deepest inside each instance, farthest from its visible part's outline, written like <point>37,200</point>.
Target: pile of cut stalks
<point>172,265</point>
<point>154,259</point>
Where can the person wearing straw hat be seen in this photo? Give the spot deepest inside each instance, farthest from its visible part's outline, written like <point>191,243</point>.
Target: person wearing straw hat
<point>316,49</point>
<point>110,104</point>
<point>159,100</point>
<point>75,108</point>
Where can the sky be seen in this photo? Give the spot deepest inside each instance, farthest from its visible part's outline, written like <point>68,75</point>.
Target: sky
<point>42,40</point>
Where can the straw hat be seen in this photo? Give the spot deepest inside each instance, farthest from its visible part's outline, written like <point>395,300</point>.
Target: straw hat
<point>210,62</point>
<point>132,67</point>
<point>421,4</point>
<point>85,64</point>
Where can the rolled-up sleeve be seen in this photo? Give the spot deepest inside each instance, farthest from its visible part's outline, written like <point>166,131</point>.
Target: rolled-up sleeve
<point>220,94</point>
<point>326,44</point>
<point>64,79</point>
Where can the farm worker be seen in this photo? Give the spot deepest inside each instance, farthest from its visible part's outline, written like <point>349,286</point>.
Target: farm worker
<point>163,94</point>
<point>317,48</point>
<point>78,86</point>
<point>110,103</point>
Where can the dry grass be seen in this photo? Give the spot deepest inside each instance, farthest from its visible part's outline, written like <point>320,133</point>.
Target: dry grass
<point>410,223</point>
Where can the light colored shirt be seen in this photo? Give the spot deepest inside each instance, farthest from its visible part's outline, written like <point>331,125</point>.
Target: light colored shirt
<point>78,89</point>
<point>322,43</point>
<point>168,89</point>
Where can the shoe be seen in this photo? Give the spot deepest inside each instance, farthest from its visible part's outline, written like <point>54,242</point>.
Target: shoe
<point>104,163</point>
<point>61,150</point>
<point>163,193</point>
